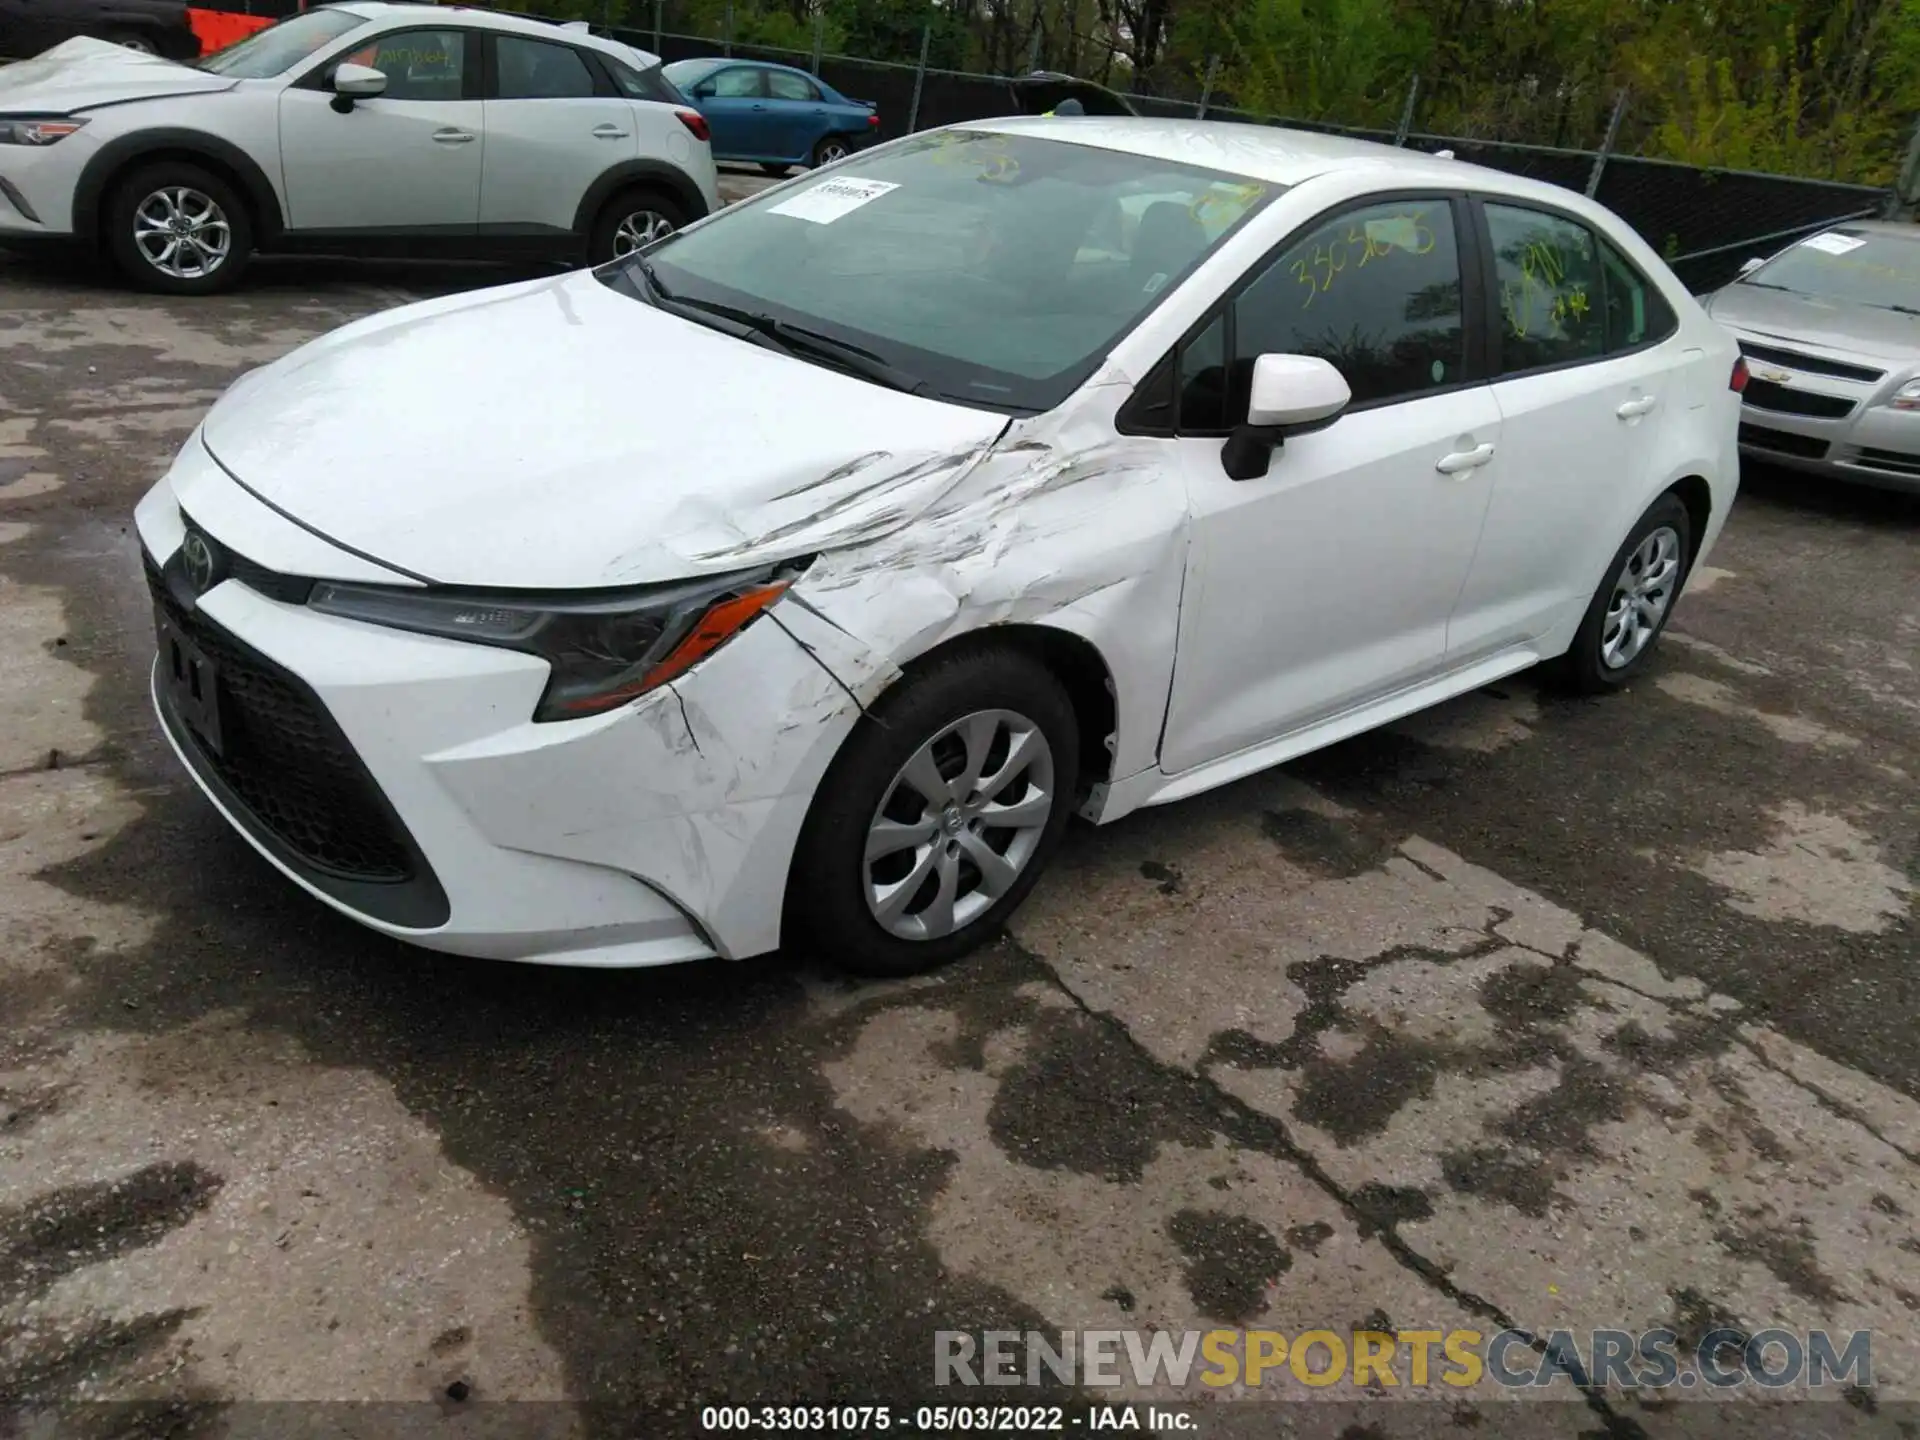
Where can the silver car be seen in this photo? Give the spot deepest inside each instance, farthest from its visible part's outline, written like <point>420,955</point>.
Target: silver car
<point>1831,331</point>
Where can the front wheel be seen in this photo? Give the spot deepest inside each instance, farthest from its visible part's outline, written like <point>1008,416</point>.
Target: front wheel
<point>178,229</point>
<point>778,172</point>
<point>936,819</point>
<point>631,221</point>
<point>1633,604</point>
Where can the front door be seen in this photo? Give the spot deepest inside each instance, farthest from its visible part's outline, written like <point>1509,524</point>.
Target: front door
<point>734,101</point>
<point>1327,582</point>
<point>406,160</point>
<point>549,137</point>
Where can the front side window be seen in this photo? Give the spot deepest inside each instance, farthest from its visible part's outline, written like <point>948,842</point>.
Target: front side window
<point>998,269</point>
<point>785,86</point>
<point>418,64</point>
<point>278,48</point>
<point>738,83</point>
<point>1551,297</point>
<point>537,70</point>
<point>1374,292</point>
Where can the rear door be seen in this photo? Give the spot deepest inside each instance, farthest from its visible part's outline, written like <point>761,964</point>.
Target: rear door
<point>406,160</point>
<point>796,114</point>
<point>554,126</point>
<point>1583,360</point>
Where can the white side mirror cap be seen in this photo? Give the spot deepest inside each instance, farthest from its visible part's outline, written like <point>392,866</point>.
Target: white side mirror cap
<point>359,81</point>
<point>1295,390</point>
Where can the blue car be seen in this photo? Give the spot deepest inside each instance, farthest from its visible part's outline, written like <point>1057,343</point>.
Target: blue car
<point>772,115</point>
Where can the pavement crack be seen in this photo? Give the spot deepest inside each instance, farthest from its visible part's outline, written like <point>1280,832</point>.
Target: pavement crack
<point>1826,1101</point>
<point>1268,1135</point>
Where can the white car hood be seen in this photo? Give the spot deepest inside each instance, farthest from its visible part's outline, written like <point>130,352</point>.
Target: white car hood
<point>555,434</point>
<point>79,73</point>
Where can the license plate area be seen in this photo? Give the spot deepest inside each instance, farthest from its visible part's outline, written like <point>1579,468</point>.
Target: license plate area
<point>192,683</point>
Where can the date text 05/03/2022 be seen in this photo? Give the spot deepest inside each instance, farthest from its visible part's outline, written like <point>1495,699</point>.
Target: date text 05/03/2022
<point>944,1419</point>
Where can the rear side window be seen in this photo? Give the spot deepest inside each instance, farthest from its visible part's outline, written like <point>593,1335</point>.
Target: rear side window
<point>783,86</point>
<point>1637,313</point>
<point>640,84</point>
<point>1547,279</point>
<point>537,70</point>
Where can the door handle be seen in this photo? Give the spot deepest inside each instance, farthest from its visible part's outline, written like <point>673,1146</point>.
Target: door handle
<point>1634,409</point>
<point>1462,461</point>
<point>759,107</point>
<point>608,132</point>
<point>452,137</point>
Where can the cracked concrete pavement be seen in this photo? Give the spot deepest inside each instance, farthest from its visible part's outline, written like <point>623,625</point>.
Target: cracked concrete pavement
<point>1527,1012</point>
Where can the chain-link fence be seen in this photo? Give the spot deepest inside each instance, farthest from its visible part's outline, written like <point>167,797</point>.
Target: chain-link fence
<point>1706,222</point>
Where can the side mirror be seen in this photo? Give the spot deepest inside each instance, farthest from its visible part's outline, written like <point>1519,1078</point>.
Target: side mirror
<point>1291,395</point>
<point>1752,265</point>
<point>355,82</point>
<point>705,90</point>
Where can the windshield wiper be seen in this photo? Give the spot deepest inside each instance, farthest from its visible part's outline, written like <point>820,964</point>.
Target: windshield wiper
<point>1897,309</point>
<point>1769,285</point>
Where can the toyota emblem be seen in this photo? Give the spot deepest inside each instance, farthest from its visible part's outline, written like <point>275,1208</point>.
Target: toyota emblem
<point>200,559</point>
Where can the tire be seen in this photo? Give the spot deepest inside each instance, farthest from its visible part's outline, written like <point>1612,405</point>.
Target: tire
<point>778,172</point>
<point>1661,545</point>
<point>831,149</point>
<point>630,219</point>
<point>146,197</point>
<point>836,895</point>
<point>132,40</point>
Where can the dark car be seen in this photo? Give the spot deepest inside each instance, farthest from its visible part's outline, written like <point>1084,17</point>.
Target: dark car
<point>159,27</point>
<point>1044,91</point>
<point>773,115</point>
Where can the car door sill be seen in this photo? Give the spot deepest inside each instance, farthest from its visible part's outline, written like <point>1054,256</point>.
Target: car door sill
<point>1154,787</point>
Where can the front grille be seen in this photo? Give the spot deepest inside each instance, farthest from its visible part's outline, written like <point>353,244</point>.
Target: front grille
<point>1762,437</point>
<point>1765,395</point>
<point>1812,364</point>
<point>283,757</point>
<point>1889,460</point>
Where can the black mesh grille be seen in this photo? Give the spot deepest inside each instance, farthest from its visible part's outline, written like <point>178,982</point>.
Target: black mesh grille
<point>1761,437</point>
<point>1766,395</point>
<point>286,760</point>
<point>1812,364</point>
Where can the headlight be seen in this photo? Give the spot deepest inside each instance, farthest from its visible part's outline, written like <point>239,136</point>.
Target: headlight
<point>605,650</point>
<point>1907,397</point>
<point>37,132</point>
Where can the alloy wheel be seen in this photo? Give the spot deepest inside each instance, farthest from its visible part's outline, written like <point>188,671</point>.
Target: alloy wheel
<point>832,152</point>
<point>182,232</point>
<point>958,824</point>
<point>1642,593</point>
<point>638,230</point>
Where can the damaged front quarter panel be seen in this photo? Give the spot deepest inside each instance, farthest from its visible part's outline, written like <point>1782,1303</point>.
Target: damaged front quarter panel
<point>1061,523</point>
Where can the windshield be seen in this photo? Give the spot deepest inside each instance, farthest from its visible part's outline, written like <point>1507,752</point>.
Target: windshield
<point>1854,267</point>
<point>280,47</point>
<point>996,270</point>
<point>686,73</point>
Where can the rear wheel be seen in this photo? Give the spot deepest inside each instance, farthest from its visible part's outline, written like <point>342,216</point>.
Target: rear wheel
<point>1633,604</point>
<point>936,819</point>
<point>132,40</point>
<point>831,150</point>
<point>631,220</point>
<point>179,229</point>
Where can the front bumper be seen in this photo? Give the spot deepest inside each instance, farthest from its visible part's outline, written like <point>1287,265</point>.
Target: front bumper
<point>37,186</point>
<point>400,779</point>
<point>1836,449</point>
<point>1828,414</point>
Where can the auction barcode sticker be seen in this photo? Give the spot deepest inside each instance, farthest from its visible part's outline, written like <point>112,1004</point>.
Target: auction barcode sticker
<point>830,199</point>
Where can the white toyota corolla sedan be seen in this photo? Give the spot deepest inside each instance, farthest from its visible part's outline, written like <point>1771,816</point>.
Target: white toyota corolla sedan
<point>797,578</point>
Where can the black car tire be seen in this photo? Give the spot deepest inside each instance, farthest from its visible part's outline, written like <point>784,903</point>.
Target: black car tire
<point>132,40</point>
<point>778,172</point>
<point>1585,667</point>
<point>828,912</point>
<point>176,175</point>
<point>609,241</point>
<point>831,150</point>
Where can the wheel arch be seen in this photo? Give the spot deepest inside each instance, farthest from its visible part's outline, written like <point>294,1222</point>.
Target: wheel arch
<point>1697,496</point>
<point>638,175</point>
<point>1072,659</point>
<point>118,157</point>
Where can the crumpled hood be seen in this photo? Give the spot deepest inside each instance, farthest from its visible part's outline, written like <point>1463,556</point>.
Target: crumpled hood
<point>83,72</point>
<point>557,434</point>
<point>1850,329</point>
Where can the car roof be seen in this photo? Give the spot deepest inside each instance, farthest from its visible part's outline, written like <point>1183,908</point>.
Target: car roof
<point>501,20</point>
<point>1892,229</point>
<point>1271,152</point>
